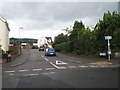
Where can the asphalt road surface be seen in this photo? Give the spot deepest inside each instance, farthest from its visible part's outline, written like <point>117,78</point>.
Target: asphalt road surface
<point>59,71</point>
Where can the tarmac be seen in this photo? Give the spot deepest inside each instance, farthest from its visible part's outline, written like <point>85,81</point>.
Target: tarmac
<point>24,57</point>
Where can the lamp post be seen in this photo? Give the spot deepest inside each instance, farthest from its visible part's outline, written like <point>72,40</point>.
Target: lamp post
<point>20,41</point>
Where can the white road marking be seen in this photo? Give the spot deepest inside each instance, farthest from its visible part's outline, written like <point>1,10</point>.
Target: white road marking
<point>46,59</point>
<point>93,66</point>
<point>31,74</point>
<point>57,66</point>
<point>48,73</point>
<point>72,67</point>
<point>37,69</point>
<point>42,55</point>
<point>50,68</point>
<point>23,70</point>
<point>60,62</point>
<point>62,67</point>
<point>9,71</point>
<point>83,66</point>
<point>11,74</point>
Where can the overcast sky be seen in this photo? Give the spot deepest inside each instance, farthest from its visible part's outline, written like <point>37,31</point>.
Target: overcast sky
<point>49,18</point>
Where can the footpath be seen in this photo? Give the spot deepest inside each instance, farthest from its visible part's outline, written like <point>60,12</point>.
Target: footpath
<point>17,61</point>
<point>91,60</point>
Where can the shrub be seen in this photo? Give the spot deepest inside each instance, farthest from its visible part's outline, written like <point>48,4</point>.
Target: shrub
<point>10,51</point>
<point>66,46</point>
<point>4,56</point>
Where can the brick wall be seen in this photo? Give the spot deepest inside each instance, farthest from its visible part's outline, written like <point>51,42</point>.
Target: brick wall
<point>27,47</point>
<point>16,51</point>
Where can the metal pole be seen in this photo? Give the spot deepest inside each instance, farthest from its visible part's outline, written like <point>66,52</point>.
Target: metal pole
<point>19,41</point>
<point>108,50</point>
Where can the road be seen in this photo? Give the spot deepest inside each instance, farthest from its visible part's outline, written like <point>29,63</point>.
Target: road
<point>59,71</point>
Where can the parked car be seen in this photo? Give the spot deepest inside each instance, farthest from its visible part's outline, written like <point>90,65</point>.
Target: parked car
<point>41,48</point>
<point>50,51</point>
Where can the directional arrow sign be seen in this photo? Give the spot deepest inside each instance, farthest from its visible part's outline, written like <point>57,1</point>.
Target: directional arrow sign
<point>60,62</point>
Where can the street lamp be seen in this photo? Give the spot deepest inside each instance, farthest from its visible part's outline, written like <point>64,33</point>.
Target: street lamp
<point>20,40</point>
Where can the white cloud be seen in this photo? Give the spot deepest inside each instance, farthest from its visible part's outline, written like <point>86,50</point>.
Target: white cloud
<point>49,18</point>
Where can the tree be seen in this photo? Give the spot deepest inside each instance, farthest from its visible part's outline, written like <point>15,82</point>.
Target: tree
<point>61,38</point>
<point>77,30</point>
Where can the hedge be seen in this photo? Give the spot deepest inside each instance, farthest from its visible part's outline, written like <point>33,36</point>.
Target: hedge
<point>66,46</point>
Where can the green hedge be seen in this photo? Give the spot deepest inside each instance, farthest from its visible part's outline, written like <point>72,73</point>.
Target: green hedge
<point>66,46</point>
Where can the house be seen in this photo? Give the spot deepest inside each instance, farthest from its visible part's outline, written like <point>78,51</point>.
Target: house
<point>41,41</point>
<point>4,34</point>
<point>46,41</point>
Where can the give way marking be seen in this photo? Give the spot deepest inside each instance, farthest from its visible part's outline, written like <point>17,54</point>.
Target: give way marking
<point>60,62</point>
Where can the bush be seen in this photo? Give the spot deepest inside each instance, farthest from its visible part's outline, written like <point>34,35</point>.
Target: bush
<point>66,46</point>
<point>34,47</point>
<point>10,51</point>
<point>4,56</point>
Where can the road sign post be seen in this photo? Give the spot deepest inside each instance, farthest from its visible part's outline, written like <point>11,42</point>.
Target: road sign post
<point>109,50</point>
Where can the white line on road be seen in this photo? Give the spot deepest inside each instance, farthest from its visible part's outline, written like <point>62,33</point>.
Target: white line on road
<point>58,62</point>
<point>23,70</point>
<point>42,55</point>
<point>48,73</point>
<point>9,71</point>
<point>82,66</point>
<point>37,69</point>
<point>93,66</point>
<point>31,74</point>
<point>72,67</point>
<point>57,66</point>
<point>50,68</point>
<point>46,59</point>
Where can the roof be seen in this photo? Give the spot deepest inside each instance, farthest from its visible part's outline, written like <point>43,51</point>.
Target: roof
<point>48,38</point>
<point>5,21</point>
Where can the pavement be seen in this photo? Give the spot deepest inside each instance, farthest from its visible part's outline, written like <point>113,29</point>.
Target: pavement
<point>18,61</point>
<point>88,60</point>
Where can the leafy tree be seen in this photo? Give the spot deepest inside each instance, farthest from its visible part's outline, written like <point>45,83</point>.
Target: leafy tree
<point>61,38</point>
<point>77,30</point>
<point>84,41</point>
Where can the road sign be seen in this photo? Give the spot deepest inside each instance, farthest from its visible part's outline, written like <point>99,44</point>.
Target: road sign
<point>60,62</point>
<point>108,37</point>
<point>109,51</point>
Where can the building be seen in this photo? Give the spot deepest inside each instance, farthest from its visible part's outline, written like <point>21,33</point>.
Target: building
<point>41,41</point>
<point>46,41</point>
<point>4,34</point>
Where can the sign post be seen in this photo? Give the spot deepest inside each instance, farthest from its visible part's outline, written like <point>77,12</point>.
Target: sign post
<point>109,50</point>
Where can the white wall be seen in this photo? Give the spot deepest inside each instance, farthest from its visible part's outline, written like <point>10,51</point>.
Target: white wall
<point>4,36</point>
<point>41,41</point>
